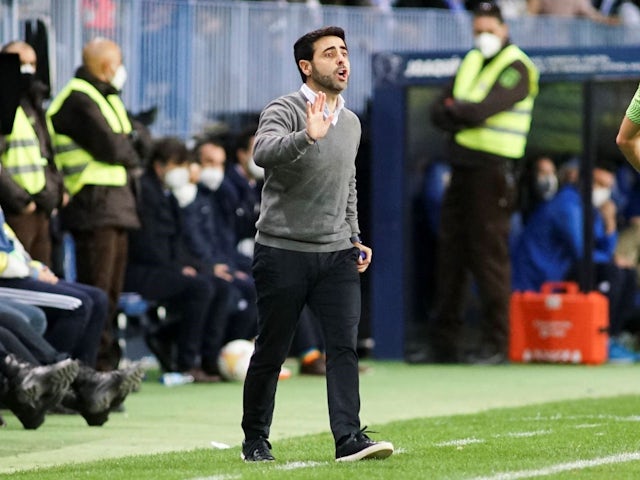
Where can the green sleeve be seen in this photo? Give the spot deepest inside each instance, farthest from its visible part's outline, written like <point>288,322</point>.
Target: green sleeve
<point>633,110</point>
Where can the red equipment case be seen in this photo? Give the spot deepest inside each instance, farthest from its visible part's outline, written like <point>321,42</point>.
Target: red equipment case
<point>559,324</point>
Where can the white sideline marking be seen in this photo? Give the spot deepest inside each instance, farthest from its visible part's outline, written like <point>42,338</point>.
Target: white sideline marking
<point>297,465</point>
<point>219,477</point>
<point>617,418</point>
<point>459,443</point>
<point>563,467</point>
<point>219,445</point>
<point>526,434</point>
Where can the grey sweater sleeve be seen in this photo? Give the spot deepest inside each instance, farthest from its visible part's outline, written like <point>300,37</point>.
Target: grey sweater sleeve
<point>280,138</point>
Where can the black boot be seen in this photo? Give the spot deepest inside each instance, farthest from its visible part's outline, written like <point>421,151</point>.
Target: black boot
<point>94,394</point>
<point>29,391</point>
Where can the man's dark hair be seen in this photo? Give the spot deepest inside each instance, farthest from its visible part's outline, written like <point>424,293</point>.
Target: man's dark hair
<point>488,9</point>
<point>168,149</point>
<point>303,48</point>
<point>208,140</point>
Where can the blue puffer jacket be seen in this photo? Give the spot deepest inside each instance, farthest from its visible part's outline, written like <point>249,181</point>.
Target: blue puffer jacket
<point>551,242</point>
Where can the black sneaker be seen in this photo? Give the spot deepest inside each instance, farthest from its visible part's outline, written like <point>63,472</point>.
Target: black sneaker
<point>257,451</point>
<point>358,446</point>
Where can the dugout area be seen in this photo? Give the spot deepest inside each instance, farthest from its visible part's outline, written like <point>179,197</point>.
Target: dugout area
<point>583,97</point>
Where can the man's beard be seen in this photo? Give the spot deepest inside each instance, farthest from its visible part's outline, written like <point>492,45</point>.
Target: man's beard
<point>327,82</point>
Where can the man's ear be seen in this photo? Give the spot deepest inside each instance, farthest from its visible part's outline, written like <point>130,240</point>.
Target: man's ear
<point>305,66</point>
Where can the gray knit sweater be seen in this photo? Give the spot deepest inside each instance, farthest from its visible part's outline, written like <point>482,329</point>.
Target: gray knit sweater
<point>309,198</point>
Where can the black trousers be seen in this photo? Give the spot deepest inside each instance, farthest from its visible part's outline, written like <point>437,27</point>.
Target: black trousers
<point>329,284</point>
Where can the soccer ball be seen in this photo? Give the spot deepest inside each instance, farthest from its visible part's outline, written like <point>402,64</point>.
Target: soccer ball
<point>233,361</point>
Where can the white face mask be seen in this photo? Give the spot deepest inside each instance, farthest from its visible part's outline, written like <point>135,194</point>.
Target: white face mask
<point>176,178</point>
<point>185,194</point>
<point>119,78</point>
<point>547,186</point>
<point>600,195</point>
<point>212,177</point>
<point>255,171</point>
<point>488,44</point>
<point>27,69</point>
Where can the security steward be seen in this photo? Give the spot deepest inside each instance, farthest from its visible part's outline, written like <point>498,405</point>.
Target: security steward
<point>30,184</point>
<point>487,113</point>
<point>98,149</point>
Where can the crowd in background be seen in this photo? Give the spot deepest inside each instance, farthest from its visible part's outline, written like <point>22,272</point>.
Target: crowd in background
<point>605,11</point>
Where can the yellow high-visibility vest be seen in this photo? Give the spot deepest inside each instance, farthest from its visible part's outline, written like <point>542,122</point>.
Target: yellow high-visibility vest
<point>79,167</point>
<point>504,133</point>
<point>22,158</point>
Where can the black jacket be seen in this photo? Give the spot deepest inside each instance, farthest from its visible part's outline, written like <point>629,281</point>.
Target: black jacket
<point>159,241</point>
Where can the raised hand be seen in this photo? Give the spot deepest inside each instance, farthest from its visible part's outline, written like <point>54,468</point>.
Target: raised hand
<point>317,125</point>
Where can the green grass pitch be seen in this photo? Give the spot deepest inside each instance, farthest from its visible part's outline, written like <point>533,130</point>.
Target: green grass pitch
<point>446,422</point>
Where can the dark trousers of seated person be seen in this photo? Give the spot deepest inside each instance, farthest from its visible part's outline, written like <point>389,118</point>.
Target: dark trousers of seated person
<point>222,304</point>
<point>619,286</point>
<point>329,284</point>
<point>190,296</point>
<point>19,338</point>
<point>236,317</point>
<point>75,332</point>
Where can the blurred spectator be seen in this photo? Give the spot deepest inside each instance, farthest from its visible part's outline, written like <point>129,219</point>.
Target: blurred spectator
<point>97,148</point>
<point>455,5</point>
<point>569,8</point>
<point>161,269</point>
<point>247,178</point>
<point>99,15</point>
<point>228,210</point>
<point>538,182</point>
<point>30,184</point>
<point>629,12</point>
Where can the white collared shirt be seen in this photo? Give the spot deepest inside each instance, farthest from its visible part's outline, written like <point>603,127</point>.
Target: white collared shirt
<point>311,96</point>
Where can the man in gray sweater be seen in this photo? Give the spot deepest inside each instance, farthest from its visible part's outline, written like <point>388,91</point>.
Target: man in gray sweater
<point>308,249</point>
